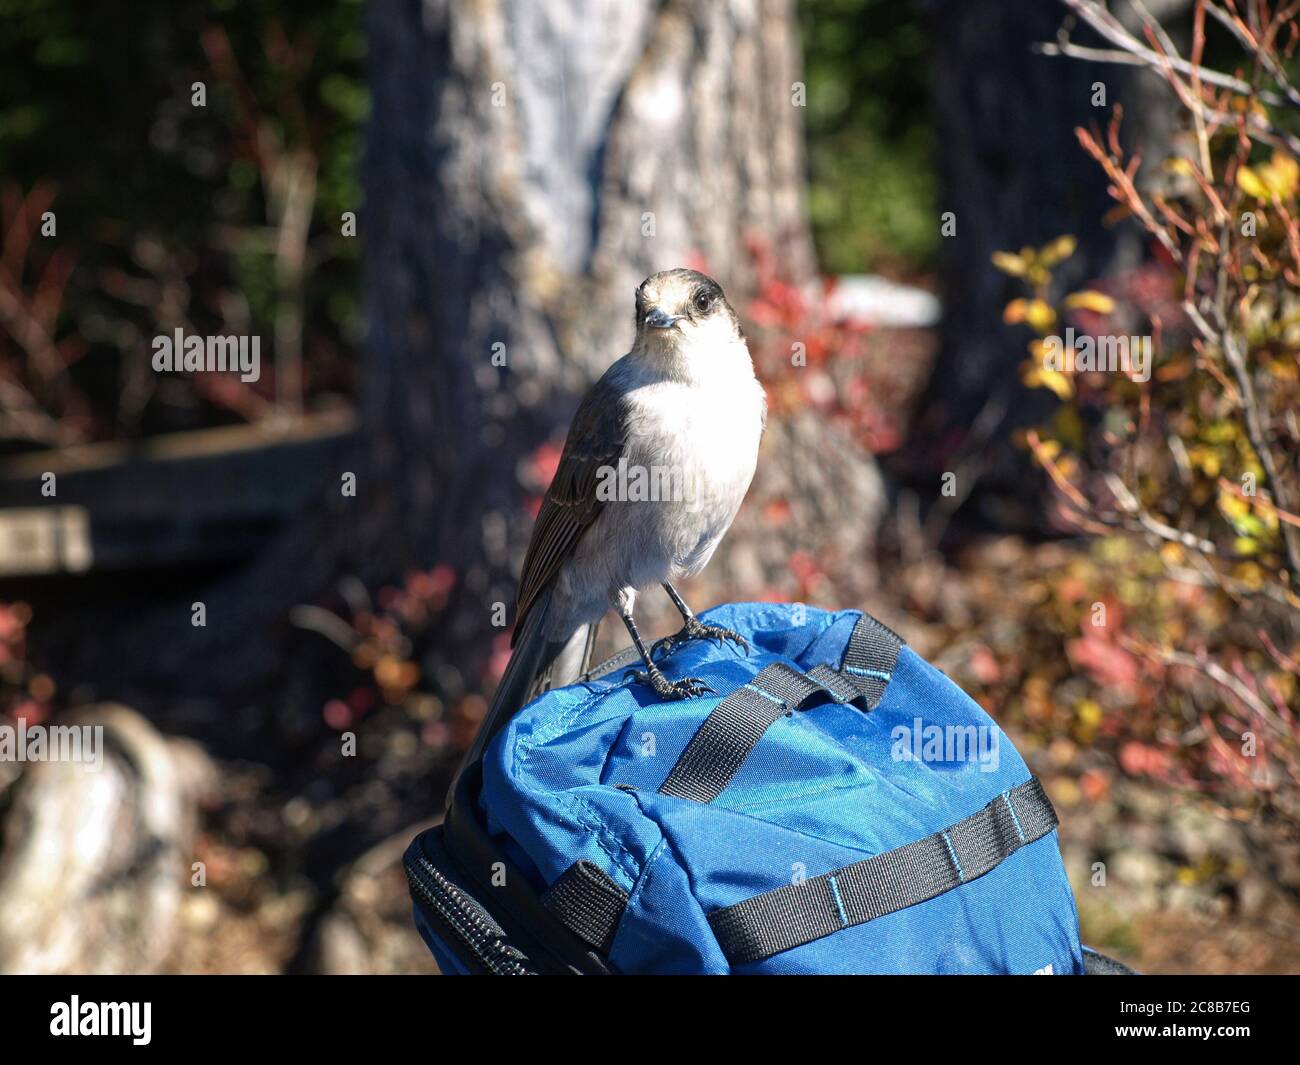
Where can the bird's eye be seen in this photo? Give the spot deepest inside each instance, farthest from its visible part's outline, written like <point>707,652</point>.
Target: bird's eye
<point>703,301</point>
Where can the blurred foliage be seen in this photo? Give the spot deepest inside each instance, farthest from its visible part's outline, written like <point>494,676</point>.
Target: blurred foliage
<point>873,191</point>
<point>811,358</point>
<point>384,639</point>
<point>24,692</point>
<point>1185,620</point>
<point>174,214</point>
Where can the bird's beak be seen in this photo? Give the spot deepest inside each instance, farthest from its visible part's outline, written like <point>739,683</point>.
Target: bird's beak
<point>660,319</point>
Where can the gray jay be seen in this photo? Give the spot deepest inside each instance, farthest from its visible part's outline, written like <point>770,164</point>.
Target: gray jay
<point>656,464</point>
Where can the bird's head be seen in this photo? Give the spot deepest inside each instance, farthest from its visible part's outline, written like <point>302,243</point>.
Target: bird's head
<point>683,311</point>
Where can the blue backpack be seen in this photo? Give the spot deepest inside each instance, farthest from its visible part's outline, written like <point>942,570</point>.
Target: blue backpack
<point>839,806</point>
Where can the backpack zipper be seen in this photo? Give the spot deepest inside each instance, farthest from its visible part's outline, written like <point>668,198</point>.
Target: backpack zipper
<point>467,921</point>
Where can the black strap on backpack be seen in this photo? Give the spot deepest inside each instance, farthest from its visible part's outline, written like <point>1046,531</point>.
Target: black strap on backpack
<point>799,913</point>
<point>589,903</point>
<point>721,745</point>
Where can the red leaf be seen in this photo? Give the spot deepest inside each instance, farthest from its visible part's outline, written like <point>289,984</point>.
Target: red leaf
<point>1103,661</point>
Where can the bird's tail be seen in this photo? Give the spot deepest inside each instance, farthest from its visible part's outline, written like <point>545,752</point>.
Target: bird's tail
<point>571,659</point>
<point>537,664</point>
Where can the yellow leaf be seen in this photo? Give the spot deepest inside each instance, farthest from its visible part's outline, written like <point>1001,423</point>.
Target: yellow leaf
<point>1058,250</point>
<point>1232,505</point>
<point>1249,183</point>
<point>1010,263</point>
<point>1088,712</point>
<point>1089,300</point>
<point>1205,459</point>
<point>1250,574</point>
<point>1039,377</point>
<point>1040,316</point>
<point>1281,175</point>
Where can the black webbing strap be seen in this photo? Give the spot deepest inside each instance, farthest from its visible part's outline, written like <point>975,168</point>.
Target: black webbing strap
<point>870,658</point>
<point>724,741</point>
<point>800,913</point>
<point>588,903</point>
<point>737,723</point>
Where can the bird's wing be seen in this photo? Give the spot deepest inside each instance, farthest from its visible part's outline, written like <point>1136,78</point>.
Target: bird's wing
<point>597,439</point>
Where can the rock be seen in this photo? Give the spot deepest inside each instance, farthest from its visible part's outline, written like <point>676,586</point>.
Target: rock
<point>369,928</point>
<point>95,855</point>
<point>1196,833</point>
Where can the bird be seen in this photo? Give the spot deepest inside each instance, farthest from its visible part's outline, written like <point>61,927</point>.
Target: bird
<point>658,459</point>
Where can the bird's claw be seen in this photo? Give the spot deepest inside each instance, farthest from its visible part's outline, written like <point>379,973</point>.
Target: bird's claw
<point>694,629</point>
<point>686,688</point>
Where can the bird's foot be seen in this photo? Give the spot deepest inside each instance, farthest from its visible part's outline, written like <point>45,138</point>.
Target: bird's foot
<point>695,629</point>
<point>686,688</point>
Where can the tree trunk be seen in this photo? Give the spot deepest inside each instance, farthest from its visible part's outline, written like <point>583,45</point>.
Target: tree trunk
<point>527,165</point>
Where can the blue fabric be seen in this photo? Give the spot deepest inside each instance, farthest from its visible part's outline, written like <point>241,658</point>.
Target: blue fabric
<point>576,775</point>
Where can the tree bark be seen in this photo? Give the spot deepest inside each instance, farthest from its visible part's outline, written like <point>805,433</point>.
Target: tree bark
<point>527,165</point>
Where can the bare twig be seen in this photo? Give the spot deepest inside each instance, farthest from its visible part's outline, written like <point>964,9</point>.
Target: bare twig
<point>1226,680</point>
<point>1169,64</point>
<point>1130,505</point>
<point>1225,338</point>
<point>331,626</point>
<point>1261,503</point>
<point>1248,41</point>
<point>1132,52</point>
